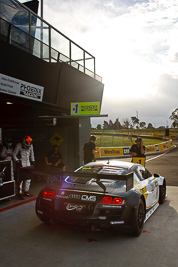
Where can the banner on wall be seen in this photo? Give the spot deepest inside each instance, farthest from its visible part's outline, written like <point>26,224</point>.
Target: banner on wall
<point>111,151</point>
<point>150,149</point>
<point>16,87</point>
<point>85,108</point>
<point>119,151</point>
<point>163,146</point>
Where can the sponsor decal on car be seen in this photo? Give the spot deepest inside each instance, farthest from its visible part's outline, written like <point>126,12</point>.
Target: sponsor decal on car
<point>88,198</point>
<point>86,168</point>
<point>74,207</point>
<point>77,196</point>
<point>151,211</point>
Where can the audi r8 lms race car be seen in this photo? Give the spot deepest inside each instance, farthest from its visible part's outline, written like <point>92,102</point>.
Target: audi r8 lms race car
<point>102,194</point>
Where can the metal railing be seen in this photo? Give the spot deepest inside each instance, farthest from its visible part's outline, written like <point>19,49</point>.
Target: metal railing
<point>23,28</point>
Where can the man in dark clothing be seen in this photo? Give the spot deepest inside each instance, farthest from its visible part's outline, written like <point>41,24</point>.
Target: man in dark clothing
<point>89,150</point>
<point>54,159</point>
<point>138,149</point>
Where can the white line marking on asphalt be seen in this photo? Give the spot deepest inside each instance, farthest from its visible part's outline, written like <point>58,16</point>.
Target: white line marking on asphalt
<point>158,156</point>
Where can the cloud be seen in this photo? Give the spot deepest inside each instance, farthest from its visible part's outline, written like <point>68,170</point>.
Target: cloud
<point>156,109</point>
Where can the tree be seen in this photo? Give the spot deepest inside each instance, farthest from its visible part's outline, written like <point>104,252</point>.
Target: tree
<point>126,123</point>
<point>105,125</point>
<point>111,125</point>
<point>98,127</point>
<point>142,124</point>
<point>150,126</point>
<point>117,125</point>
<point>135,121</point>
<point>174,118</point>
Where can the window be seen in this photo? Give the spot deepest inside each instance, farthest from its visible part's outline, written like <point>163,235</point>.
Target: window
<point>143,173</point>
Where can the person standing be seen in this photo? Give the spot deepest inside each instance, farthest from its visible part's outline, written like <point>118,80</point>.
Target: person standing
<point>89,150</point>
<point>24,156</point>
<point>138,149</point>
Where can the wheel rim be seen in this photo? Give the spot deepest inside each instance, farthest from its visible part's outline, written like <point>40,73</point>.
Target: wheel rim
<point>141,215</point>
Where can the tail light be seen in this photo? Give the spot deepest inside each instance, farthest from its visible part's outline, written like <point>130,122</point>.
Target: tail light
<point>117,200</point>
<point>48,194</point>
<point>106,200</point>
<point>110,200</point>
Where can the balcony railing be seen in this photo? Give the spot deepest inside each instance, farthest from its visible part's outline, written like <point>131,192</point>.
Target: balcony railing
<point>23,28</point>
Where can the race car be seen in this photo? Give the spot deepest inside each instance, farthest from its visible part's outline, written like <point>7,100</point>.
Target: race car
<point>102,194</point>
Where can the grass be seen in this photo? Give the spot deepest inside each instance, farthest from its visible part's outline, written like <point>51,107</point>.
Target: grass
<point>139,131</point>
<point>122,141</point>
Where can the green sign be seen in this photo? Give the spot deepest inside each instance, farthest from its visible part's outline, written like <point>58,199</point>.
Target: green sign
<point>85,108</point>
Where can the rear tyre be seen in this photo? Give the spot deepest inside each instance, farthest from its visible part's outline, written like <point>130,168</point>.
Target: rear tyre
<point>44,218</point>
<point>139,217</point>
<point>162,193</point>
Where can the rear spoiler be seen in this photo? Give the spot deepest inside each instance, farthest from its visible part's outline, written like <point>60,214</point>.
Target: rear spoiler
<point>128,178</point>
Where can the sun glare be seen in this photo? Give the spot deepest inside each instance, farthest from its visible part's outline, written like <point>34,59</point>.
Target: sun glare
<point>133,80</point>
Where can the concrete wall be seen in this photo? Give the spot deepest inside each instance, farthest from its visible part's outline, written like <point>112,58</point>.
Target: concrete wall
<point>84,135</point>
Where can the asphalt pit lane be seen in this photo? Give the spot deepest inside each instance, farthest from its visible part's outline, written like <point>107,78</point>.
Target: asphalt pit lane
<point>91,240</point>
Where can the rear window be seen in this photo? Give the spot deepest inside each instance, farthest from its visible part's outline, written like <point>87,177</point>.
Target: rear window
<point>103,169</point>
<point>99,170</point>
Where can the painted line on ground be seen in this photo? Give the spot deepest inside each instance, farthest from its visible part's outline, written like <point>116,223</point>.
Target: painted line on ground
<point>158,156</point>
<point>17,204</point>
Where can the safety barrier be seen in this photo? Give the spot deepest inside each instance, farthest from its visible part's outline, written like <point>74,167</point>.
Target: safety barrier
<point>113,152</point>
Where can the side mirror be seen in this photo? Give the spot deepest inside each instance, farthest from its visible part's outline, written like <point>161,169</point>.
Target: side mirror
<point>156,175</point>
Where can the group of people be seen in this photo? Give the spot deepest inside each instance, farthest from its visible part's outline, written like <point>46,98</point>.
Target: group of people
<point>89,149</point>
<point>23,156</point>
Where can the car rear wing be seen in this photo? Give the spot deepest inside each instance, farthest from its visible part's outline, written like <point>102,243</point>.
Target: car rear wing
<point>60,175</point>
<point>128,178</point>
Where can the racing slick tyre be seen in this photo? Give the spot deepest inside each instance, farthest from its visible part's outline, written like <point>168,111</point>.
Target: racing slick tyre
<point>162,192</point>
<point>138,220</point>
<point>46,220</point>
<point>43,218</point>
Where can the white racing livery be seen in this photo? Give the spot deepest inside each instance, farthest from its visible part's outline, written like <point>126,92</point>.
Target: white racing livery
<point>102,194</point>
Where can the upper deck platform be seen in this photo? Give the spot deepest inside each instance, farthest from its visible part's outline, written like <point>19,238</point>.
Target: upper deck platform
<point>25,29</point>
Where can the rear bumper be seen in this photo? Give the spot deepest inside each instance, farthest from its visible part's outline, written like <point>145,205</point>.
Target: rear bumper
<point>113,218</point>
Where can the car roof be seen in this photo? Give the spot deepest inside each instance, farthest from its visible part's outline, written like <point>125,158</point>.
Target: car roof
<point>113,166</point>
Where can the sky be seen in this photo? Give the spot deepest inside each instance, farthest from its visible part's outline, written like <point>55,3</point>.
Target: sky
<point>135,43</point>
